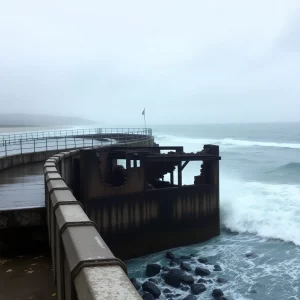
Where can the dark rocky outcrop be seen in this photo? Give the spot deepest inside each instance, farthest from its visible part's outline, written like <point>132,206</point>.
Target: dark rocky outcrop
<point>198,288</point>
<point>187,279</point>
<point>152,269</point>
<point>221,280</point>
<point>135,283</point>
<point>167,291</point>
<point>203,260</point>
<point>201,280</point>
<point>202,272</point>
<point>184,288</point>
<point>151,288</point>
<point>148,296</point>
<point>217,293</point>
<point>186,267</point>
<point>190,297</point>
<point>170,255</point>
<point>217,268</point>
<point>174,277</point>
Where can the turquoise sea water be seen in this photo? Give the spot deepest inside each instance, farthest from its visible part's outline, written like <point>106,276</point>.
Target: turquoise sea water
<point>260,208</point>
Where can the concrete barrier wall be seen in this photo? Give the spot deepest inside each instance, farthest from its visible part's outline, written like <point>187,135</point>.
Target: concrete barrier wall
<point>84,267</point>
<point>156,220</point>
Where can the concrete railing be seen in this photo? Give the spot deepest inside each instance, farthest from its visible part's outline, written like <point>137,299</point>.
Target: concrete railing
<point>84,267</point>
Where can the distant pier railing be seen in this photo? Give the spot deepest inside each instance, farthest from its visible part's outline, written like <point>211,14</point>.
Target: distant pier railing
<point>11,144</point>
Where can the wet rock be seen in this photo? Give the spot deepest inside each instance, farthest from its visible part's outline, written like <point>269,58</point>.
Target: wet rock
<point>153,280</point>
<point>217,293</point>
<point>198,288</point>
<point>192,255</point>
<point>152,269</point>
<point>184,288</point>
<point>165,269</point>
<point>185,257</point>
<point>203,260</point>
<point>172,264</point>
<point>202,272</point>
<point>148,296</point>
<point>170,255</point>
<point>177,260</point>
<point>167,291</point>
<point>252,292</point>
<point>250,255</point>
<point>221,280</point>
<point>186,267</point>
<point>174,277</point>
<point>201,280</point>
<point>217,268</point>
<point>188,279</point>
<point>190,297</point>
<point>170,296</point>
<point>135,283</point>
<point>151,288</point>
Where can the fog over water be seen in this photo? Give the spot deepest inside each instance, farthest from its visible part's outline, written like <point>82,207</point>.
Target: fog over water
<point>185,62</point>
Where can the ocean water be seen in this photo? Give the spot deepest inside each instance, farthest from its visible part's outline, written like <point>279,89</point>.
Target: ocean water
<point>260,208</point>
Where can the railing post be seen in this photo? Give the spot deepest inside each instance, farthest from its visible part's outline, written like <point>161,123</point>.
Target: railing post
<point>83,141</point>
<point>46,144</point>
<point>92,141</point>
<point>33,145</point>
<point>65,142</point>
<point>75,142</point>
<point>56,143</point>
<point>21,146</point>
<point>5,149</point>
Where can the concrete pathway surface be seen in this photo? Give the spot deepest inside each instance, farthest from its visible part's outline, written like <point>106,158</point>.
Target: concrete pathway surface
<point>22,186</point>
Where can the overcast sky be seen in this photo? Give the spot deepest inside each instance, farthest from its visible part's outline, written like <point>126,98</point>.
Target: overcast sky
<point>184,61</point>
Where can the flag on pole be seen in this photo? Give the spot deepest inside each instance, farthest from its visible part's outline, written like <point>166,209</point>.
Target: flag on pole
<point>143,113</point>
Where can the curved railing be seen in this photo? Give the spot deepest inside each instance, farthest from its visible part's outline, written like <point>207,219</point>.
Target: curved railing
<point>68,139</point>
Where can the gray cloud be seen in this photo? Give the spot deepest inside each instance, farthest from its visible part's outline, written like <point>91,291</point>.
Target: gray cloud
<point>201,61</point>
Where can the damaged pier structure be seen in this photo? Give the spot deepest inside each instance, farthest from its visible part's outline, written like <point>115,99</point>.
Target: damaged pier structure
<point>122,190</point>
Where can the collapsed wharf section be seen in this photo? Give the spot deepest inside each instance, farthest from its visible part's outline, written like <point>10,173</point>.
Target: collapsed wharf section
<point>122,190</point>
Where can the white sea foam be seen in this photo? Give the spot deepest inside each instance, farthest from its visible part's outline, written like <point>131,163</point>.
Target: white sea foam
<point>269,210</point>
<point>225,142</point>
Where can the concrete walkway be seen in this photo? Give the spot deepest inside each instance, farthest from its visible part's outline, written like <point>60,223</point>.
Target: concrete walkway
<point>27,278</point>
<point>22,186</point>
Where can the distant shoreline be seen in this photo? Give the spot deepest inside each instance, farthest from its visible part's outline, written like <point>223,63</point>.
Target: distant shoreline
<point>17,126</point>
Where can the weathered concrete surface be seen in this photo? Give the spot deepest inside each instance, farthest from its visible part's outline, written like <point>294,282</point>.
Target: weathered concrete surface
<point>28,277</point>
<point>22,186</point>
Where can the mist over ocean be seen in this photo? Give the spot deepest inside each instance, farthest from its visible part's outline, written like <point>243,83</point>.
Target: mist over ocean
<point>260,207</point>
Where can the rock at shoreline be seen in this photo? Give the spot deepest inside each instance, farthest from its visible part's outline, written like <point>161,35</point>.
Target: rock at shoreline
<point>203,260</point>
<point>250,255</point>
<point>148,296</point>
<point>167,291</point>
<point>190,297</point>
<point>170,255</point>
<point>165,269</point>
<point>186,267</point>
<point>151,288</point>
<point>217,293</point>
<point>184,288</point>
<point>187,279</point>
<point>152,269</point>
<point>135,283</point>
<point>202,272</point>
<point>222,280</point>
<point>198,288</point>
<point>174,277</point>
<point>217,268</point>
<point>201,280</point>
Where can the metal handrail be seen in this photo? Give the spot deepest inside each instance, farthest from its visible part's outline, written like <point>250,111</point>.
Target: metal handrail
<point>30,135</point>
<point>71,142</point>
